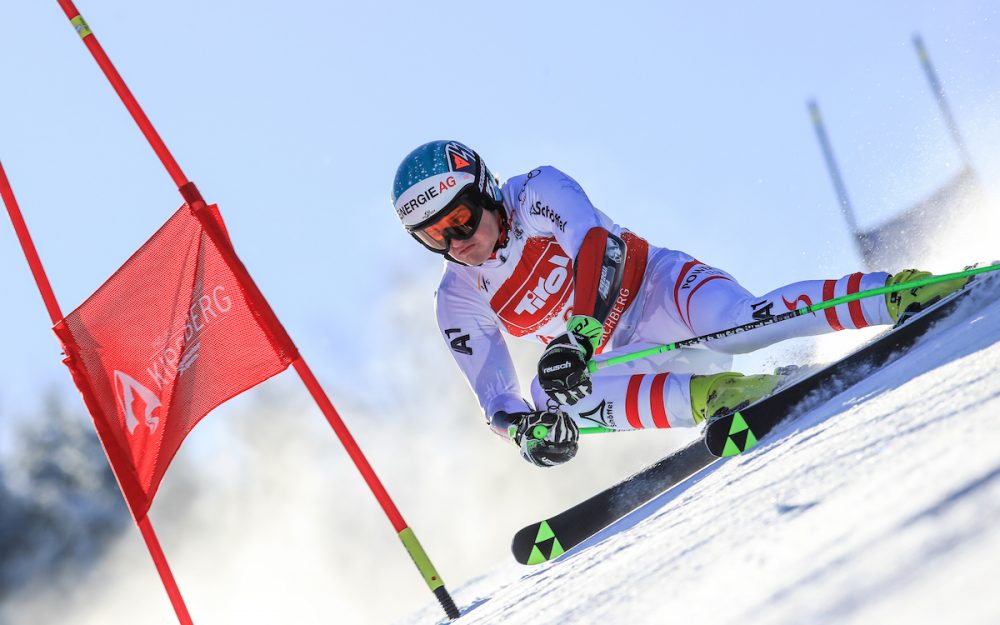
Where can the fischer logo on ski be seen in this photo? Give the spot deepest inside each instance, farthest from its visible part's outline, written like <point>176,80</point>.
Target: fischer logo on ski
<point>545,543</point>
<point>740,437</point>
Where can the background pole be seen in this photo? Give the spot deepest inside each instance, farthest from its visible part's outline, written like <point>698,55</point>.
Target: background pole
<point>938,91</point>
<point>831,164</point>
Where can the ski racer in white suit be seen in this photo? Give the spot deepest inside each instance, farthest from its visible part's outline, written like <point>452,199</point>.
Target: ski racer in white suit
<point>538,261</point>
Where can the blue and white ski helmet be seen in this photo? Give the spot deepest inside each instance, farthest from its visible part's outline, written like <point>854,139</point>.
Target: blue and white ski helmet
<point>434,174</point>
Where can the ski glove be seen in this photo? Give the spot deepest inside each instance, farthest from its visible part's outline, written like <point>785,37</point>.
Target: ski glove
<point>545,438</point>
<point>562,369</point>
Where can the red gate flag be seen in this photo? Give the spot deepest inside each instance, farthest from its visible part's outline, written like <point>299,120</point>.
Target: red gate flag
<point>179,329</point>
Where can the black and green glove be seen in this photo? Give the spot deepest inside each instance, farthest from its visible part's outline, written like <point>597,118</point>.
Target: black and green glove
<point>545,438</point>
<point>562,369</point>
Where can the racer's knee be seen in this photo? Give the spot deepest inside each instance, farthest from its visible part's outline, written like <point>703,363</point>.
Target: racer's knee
<point>724,316</point>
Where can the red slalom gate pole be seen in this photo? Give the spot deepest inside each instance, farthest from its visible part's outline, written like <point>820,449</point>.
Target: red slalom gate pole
<point>52,305</point>
<point>123,92</point>
<point>405,534</point>
<point>191,195</point>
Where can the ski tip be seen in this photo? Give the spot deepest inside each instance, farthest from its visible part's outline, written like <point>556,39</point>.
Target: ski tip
<point>535,544</point>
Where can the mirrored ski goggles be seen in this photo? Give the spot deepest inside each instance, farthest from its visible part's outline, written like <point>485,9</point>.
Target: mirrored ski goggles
<point>457,222</point>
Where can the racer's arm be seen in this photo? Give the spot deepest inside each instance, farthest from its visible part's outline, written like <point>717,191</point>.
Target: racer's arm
<point>470,331</point>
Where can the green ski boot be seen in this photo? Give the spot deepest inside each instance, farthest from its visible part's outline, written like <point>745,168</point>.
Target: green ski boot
<point>902,304</point>
<point>723,393</point>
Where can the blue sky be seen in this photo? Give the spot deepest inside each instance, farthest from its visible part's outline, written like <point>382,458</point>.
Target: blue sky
<point>684,121</point>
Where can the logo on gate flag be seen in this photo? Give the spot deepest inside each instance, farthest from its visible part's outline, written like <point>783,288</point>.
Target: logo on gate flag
<point>130,392</point>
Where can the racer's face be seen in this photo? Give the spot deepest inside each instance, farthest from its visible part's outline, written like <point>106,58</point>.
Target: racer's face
<point>479,247</point>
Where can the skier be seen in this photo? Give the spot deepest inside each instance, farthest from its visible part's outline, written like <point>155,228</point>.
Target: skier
<point>537,260</point>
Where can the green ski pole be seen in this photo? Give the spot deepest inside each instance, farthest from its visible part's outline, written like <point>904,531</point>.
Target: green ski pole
<point>594,366</point>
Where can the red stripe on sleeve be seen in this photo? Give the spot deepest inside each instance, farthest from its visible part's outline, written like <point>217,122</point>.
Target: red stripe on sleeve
<point>659,408</point>
<point>677,289</point>
<point>831,313</point>
<point>632,401</point>
<point>857,315</point>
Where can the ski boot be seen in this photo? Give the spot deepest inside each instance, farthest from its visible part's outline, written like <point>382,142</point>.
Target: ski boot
<point>723,393</point>
<point>903,304</point>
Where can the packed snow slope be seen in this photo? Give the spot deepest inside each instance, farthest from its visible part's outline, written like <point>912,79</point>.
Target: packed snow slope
<point>879,506</point>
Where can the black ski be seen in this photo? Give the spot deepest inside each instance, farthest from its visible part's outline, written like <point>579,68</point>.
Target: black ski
<point>548,539</point>
<point>736,433</point>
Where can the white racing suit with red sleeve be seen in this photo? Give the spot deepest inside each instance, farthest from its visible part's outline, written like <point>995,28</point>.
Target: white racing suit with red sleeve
<point>556,244</point>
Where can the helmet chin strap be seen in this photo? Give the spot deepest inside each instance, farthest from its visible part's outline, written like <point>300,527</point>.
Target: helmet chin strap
<point>504,234</point>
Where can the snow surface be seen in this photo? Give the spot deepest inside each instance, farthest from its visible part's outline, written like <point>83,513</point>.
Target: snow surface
<point>879,506</point>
